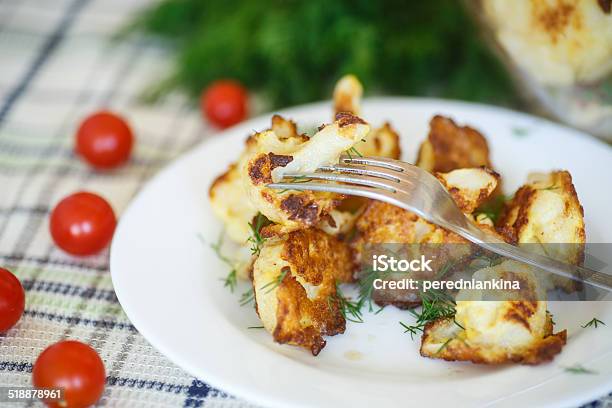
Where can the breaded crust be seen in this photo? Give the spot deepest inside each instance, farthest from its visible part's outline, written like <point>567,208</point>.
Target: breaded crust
<point>442,339</point>
<point>449,147</point>
<point>383,223</point>
<point>547,211</point>
<point>495,327</point>
<point>303,307</point>
<point>347,95</point>
<point>290,210</point>
<point>228,197</point>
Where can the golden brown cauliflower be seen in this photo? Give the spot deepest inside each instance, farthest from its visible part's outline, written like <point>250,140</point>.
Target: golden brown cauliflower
<point>228,197</point>
<point>294,280</point>
<point>546,211</point>
<point>383,223</point>
<point>449,147</point>
<point>380,142</point>
<point>559,42</point>
<point>516,328</point>
<point>292,210</point>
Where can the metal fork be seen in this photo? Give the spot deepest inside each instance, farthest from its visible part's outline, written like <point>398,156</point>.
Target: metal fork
<point>416,190</point>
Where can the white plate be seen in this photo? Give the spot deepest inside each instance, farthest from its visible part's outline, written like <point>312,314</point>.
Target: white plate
<point>168,282</point>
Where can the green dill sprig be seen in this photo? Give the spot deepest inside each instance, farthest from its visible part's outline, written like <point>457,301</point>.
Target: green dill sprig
<point>354,151</point>
<point>231,280</point>
<point>366,287</point>
<point>270,286</point>
<point>247,297</point>
<point>520,131</point>
<point>594,322</point>
<point>552,317</point>
<point>297,180</point>
<point>579,369</point>
<point>443,346</point>
<point>435,305</point>
<point>493,208</point>
<point>350,310</point>
<point>255,327</point>
<point>256,239</point>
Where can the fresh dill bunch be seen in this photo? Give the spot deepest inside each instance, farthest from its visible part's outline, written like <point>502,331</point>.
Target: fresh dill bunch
<point>292,52</point>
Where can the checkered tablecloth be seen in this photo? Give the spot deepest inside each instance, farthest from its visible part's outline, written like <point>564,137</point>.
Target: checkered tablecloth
<point>56,66</point>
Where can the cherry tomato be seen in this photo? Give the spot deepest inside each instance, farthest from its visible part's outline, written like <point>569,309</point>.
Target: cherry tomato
<point>224,103</point>
<point>12,300</point>
<point>76,368</point>
<point>104,140</point>
<point>82,223</point>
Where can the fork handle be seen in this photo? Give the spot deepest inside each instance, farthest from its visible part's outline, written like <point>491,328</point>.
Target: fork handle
<point>494,244</point>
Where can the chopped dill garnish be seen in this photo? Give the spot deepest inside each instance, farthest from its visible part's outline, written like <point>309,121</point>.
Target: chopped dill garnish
<point>231,280</point>
<point>255,327</point>
<point>552,317</point>
<point>350,310</point>
<point>366,286</point>
<point>549,188</point>
<point>493,208</point>
<point>277,281</point>
<point>594,322</point>
<point>247,297</point>
<point>520,131</point>
<point>354,151</point>
<point>443,346</point>
<point>256,239</point>
<point>297,180</point>
<point>435,305</point>
<point>579,369</point>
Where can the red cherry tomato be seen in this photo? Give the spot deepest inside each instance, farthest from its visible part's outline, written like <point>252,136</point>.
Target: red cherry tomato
<point>12,300</point>
<point>104,140</point>
<point>224,103</point>
<point>76,368</point>
<point>82,223</point>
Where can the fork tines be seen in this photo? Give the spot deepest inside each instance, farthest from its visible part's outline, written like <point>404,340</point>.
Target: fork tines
<point>364,176</point>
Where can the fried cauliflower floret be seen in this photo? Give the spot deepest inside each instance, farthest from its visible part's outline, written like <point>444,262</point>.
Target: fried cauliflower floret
<point>515,329</point>
<point>229,201</point>
<point>294,279</point>
<point>449,147</point>
<point>380,142</point>
<point>273,156</point>
<point>546,211</point>
<point>228,197</point>
<point>386,223</point>
<point>383,223</point>
<point>559,42</point>
<point>347,95</point>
